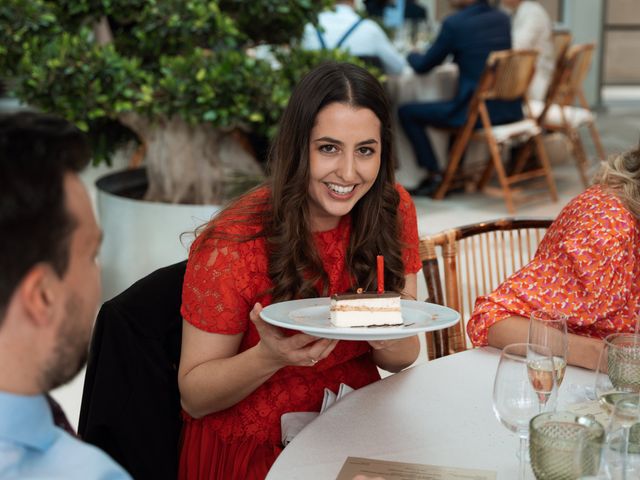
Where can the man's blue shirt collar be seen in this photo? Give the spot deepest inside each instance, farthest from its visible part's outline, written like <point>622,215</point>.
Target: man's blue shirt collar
<point>27,420</point>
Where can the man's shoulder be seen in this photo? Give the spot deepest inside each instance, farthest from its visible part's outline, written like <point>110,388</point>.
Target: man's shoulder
<point>370,27</point>
<point>82,460</point>
<point>532,8</point>
<point>66,458</point>
<point>475,13</point>
<point>338,13</point>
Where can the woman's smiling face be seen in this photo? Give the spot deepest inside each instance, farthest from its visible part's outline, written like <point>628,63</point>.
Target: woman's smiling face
<point>344,155</point>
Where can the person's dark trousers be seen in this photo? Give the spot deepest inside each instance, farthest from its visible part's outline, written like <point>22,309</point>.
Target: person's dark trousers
<point>414,117</point>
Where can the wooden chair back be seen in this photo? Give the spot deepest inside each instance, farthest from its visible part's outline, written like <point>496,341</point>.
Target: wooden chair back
<point>567,84</point>
<point>566,90</point>
<point>473,260</point>
<point>507,77</point>
<point>508,74</point>
<point>561,42</point>
<point>579,59</point>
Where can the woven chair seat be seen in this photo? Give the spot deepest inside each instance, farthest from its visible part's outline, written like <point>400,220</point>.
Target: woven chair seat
<point>523,130</point>
<point>576,116</point>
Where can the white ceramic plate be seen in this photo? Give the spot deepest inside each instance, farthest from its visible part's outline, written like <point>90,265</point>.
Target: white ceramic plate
<point>311,315</point>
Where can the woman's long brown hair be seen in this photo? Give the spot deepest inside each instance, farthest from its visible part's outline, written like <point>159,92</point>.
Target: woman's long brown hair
<point>295,267</point>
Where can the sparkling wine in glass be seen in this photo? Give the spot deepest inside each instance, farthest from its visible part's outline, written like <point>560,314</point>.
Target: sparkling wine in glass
<point>515,401</point>
<point>618,369</point>
<point>548,328</point>
<point>542,377</point>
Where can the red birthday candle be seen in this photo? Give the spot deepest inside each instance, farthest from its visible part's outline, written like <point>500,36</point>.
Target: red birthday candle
<point>380,259</point>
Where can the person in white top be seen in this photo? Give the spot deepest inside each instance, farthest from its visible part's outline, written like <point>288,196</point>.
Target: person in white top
<point>531,28</point>
<point>343,28</point>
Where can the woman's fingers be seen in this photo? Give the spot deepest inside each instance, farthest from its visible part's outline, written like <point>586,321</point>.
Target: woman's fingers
<point>265,330</point>
<point>382,344</point>
<point>329,348</point>
<point>284,349</point>
<point>320,350</point>
<point>299,349</point>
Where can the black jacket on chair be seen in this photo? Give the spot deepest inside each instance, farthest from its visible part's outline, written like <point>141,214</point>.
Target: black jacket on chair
<point>130,402</point>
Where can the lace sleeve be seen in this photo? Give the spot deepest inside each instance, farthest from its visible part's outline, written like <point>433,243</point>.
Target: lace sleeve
<point>212,294</point>
<point>408,232</point>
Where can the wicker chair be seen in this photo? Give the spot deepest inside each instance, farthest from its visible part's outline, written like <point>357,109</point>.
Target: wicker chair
<point>561,43</point>
<point>558,113</point>
<point>473,260</point>
<point>507,76</point>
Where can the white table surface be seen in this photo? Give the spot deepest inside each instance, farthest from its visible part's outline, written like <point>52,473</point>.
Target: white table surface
<point>438,413</point>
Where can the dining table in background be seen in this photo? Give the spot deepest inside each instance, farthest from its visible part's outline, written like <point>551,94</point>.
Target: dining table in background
<point>439,84</point>
<point>436,413</point>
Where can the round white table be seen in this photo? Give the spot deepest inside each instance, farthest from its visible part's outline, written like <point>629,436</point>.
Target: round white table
<point>438,413</point>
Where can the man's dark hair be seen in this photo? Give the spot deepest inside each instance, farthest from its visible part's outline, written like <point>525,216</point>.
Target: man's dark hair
<point>36,150</point>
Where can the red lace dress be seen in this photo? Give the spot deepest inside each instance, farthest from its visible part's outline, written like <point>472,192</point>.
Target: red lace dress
<point>587,267</point>
<point>243,441</point>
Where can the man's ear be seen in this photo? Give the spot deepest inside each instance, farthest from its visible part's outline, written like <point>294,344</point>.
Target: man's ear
<point>37,292</point>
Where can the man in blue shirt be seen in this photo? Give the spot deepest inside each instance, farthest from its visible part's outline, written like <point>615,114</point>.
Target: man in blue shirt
<point>469,36</point>
<point>343,28</point>
<point>49,293</point>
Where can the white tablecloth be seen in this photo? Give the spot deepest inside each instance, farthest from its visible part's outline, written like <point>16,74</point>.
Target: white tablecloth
<point>439,84</point>
<point>438,413</point>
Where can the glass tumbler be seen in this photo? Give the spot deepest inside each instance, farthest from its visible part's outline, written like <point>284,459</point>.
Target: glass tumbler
<point>618,370</point>
<point>564,446</point>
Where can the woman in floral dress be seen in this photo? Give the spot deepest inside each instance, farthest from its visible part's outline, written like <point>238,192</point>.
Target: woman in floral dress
<point>586,267</point>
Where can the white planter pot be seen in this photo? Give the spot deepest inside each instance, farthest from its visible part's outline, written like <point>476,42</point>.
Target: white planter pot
<point>141,236</point>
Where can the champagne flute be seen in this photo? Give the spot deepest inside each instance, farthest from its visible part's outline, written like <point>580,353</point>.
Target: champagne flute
<point>622,450</point>
<point>515,401</point>
<point>549,328</point>
<point>618,369</point>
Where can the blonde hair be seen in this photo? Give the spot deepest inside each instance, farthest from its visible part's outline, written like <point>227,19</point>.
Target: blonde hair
<point>621,175</point>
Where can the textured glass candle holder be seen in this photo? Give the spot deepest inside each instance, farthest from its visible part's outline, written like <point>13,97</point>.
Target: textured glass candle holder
<point>618,369</point>
<point>564,446</point>
<point>623,361</point>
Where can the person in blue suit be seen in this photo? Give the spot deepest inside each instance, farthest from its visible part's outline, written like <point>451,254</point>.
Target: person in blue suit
<point>469,35</point>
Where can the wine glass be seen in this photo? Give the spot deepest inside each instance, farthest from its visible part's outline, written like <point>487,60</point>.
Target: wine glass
<point>515,401</point>
<point>549,328</point>
<point>622,450</point>
<point>618,369</point>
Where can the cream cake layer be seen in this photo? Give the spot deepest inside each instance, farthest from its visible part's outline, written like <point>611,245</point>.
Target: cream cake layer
<point>365,310</point>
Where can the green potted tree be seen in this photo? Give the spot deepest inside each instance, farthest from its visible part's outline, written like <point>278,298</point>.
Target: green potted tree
<point>186,80</point>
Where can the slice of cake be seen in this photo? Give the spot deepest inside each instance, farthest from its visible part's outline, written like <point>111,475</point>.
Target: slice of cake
<point>365,309</point>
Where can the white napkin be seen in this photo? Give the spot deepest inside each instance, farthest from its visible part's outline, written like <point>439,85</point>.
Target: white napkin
<point>343,390</point>
<point>291,423</point>
<point>328,400</point>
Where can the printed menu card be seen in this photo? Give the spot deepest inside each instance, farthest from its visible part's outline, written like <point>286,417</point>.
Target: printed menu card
<point>407,471</point>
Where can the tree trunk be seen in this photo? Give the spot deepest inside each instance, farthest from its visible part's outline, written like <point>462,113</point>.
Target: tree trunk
<point>190,163</point>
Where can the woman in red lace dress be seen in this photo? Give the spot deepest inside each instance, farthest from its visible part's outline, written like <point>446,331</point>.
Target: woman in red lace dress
<point>314,229</point>
<point>587,267</point>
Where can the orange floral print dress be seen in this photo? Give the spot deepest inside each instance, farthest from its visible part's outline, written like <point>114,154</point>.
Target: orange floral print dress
<point>243,441</point>
<point>587,267</point>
